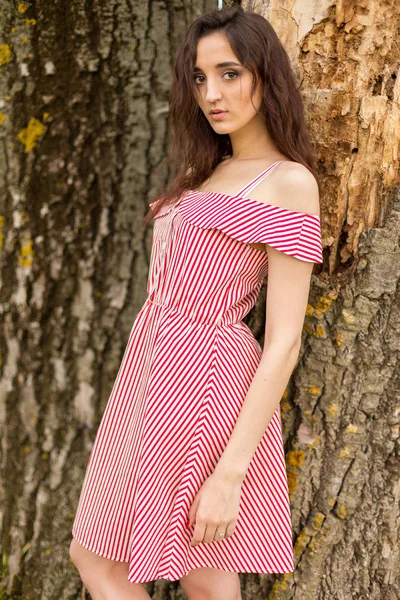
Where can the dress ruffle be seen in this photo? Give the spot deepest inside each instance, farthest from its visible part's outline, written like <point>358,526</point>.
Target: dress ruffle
<point>295,233</point>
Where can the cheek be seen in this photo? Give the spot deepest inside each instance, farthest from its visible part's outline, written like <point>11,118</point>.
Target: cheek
<point>244,92</point>
<point>248,106</point>
<point>252,104</point>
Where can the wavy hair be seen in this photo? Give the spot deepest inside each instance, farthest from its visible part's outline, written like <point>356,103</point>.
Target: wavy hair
<point>196,148</point>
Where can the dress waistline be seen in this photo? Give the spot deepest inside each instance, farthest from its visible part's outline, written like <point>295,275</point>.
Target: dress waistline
<point>220,322</point>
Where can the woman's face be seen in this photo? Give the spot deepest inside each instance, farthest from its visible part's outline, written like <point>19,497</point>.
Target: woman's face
<point>224,87</point>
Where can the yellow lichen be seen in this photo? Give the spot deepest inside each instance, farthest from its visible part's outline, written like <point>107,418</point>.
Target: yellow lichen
<point>30,22</point>
<point>5,54</point>
<point>292,481</point>
<point>314,390</point>
<point>345,452</point>
<point>45,455</point>
<point>313,545</point>
<point>26,254</point>
<point>324,303</point>
<point>332,409</point>
<point>280,585</point>
<point>301,542</point>
<point>285,407</point>
<point>331,501</point>
<point>318,520</point>
<point>27,449</point>
<point>341,512</point>
<point>295,458</point>
<point>348,317</point>
<point>30,134</point>
<point>319,331</point>
<point>23,7</point>
<point>351,428</point>
<point>2,118</point>
<point>339,339</point>
<point>309,310</point>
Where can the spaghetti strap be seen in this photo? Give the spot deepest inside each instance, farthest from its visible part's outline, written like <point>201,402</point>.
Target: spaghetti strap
<point>249,187</point>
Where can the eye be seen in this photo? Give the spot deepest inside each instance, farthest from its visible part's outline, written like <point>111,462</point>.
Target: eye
<point>231,73</point>
<point>234,73</point>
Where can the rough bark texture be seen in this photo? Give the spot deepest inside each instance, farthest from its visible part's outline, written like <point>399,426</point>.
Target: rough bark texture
<point>83,130</point>
<point>342,406</point>
<point>83,111</point>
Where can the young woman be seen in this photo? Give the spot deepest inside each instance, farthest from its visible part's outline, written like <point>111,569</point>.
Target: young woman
<point>186,480</point>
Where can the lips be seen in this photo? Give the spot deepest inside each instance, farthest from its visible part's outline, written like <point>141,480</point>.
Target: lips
<point>215,112</point>
<point>218,116</point>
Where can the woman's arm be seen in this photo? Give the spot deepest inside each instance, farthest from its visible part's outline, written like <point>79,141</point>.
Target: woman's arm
<point>287,297</point>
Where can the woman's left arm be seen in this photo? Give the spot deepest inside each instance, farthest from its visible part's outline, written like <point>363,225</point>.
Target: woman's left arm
<point>287,296</point>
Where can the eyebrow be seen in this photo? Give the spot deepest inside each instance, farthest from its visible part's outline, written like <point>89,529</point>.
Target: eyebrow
<point>228,63</point>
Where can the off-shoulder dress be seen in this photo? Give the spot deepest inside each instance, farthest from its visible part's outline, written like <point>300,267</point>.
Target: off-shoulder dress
<point>187,366</point>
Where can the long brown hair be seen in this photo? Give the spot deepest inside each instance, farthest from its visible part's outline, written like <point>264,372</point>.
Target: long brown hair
<point>195,147</point>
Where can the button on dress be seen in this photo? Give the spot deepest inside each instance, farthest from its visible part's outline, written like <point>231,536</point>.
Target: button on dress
<point>184,375</point>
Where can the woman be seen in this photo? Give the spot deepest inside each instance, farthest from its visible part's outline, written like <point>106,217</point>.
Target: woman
<point>187,478</point>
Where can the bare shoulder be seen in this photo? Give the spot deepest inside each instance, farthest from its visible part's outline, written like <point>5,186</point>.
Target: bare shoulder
<point>293,187</point>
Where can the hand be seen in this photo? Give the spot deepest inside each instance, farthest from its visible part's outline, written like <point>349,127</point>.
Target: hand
<point>215,509</point>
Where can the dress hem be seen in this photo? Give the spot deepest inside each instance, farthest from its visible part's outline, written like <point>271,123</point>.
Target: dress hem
<point>97,552</point>
<point>104,555</point>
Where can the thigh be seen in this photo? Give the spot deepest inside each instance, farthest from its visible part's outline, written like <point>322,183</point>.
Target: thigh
<point>89,562</point>
<point>207,583</point>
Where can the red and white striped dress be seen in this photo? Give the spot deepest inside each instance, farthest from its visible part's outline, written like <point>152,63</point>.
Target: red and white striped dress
<point>188,364</point>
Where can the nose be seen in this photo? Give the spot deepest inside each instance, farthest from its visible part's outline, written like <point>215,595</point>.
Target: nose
<point>213,93</point>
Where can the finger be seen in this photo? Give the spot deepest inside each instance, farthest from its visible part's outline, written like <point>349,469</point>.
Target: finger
<point>198,535</point>
<point>193,509</point>
<point>210,534</point>
<point>230,528</point>
<point>220,529</point>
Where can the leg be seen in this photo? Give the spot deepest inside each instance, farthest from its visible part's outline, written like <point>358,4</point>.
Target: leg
<point>207,583</point>
<point>105,579</point>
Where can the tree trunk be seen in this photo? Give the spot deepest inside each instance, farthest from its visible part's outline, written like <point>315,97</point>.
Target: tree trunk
<point>341,411</point>
<point>83,118</point>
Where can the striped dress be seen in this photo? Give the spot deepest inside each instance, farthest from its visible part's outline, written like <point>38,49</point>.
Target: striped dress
<point>187,366</point>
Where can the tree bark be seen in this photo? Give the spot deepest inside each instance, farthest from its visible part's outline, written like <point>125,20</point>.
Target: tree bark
<point>83,124</point>
<point>341,411</point>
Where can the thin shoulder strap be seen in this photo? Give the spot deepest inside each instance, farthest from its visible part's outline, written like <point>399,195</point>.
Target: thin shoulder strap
<point>249,187</point>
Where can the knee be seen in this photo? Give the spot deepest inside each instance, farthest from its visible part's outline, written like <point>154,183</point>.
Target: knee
<point>84,562</point>
<point>198,589</point>
<point>194,590</point>
<point>211,584</point>
<point>75,553</point>
<point>83,559</point>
